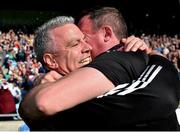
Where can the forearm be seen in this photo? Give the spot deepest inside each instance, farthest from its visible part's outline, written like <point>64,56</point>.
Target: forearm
<point>50,98</point>
<point>29,108</point>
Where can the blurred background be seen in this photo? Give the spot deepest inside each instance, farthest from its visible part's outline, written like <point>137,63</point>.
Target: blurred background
<point>150,16</point>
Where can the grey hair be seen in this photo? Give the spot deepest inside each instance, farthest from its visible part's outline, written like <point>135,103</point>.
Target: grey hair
<point>42,40</point>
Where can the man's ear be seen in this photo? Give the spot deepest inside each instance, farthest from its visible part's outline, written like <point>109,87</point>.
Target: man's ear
<point>107,33</point>
<point>50,61</point>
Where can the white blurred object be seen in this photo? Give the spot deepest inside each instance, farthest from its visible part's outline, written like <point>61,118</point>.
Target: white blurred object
<point>178,114</point>
<point>165,51</point>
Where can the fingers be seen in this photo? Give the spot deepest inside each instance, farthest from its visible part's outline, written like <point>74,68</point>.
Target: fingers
<point>38,80</point>
<point>51,77</point>
<point>133,43</point>
<point>144,47</point>
<point>129,43</point>
<point>138,45</point>
<point>56,75</point>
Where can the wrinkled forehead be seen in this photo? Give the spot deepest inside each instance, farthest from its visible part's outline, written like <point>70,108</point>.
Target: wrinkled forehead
<point>72,29</point>
<point>66,33</point>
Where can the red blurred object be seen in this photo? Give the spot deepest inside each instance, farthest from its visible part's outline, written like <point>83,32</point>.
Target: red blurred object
<point>7,103</point>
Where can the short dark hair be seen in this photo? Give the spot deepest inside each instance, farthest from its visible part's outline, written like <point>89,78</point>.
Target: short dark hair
<point>107,16</point>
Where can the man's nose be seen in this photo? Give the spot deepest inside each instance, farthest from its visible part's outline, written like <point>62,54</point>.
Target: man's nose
<point>87,47</point>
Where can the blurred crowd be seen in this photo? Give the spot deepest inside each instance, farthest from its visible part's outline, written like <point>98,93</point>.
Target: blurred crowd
<point>166,45</point>
<point>18,64</point>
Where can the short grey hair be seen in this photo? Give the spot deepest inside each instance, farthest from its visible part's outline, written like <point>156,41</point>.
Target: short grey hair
<point>42,40</point>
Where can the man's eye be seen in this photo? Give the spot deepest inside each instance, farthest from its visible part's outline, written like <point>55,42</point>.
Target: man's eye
<point>75,44</point>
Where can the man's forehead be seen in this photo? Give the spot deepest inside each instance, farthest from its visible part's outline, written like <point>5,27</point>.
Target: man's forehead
<point>67,34</point>
<point>65,31</point>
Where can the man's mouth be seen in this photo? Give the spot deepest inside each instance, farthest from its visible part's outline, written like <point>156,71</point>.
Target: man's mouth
<point>86,61</point>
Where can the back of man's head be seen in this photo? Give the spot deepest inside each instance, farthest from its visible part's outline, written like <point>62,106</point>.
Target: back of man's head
<point>107,16</point>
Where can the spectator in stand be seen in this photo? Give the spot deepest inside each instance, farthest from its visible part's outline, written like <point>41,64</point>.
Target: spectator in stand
<point>169,46</point>
<point>7,103</point>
